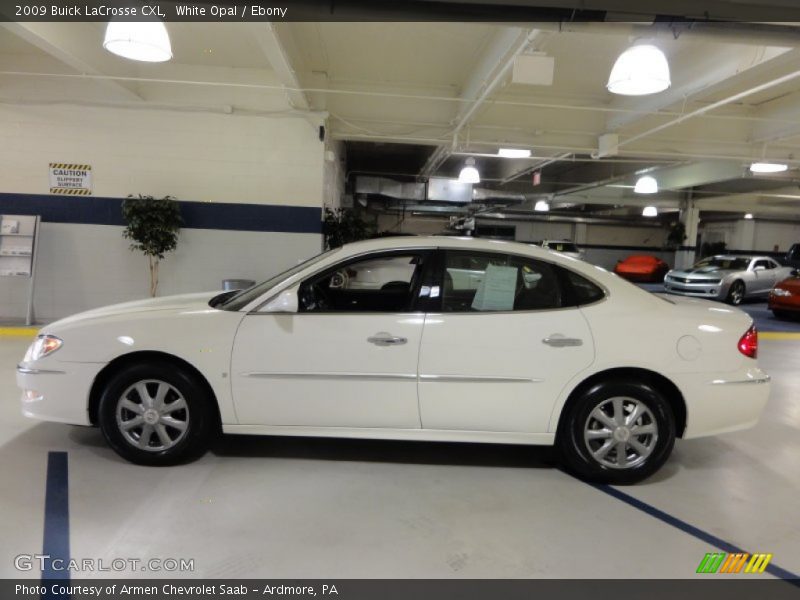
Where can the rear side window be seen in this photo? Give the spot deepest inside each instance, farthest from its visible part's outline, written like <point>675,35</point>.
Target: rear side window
<point>489,282</point>
<point>581,290</point>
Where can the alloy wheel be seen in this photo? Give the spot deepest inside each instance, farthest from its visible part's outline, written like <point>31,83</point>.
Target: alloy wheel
<point>152,415</point>
<point>620,433</point>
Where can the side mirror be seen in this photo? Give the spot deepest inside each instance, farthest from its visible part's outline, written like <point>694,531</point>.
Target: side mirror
<point>759,268</point>
<point>285,302</point>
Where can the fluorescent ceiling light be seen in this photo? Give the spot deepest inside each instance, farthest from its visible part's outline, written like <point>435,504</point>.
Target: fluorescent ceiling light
<point>514,153</point>
<point>640,70</point>
<point>650,211</point>
<point>646,185</point>
<point>469,174</point>
<point>748,216</point>
<point>145,41</point>
<point>767,167</point>
<point>541,206</point>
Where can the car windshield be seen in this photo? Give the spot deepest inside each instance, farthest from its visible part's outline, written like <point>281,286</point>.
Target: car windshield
<point>245,297</point>
<point>718,263</point>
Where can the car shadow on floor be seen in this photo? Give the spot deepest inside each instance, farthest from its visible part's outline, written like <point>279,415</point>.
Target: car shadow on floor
<point>388,451</point>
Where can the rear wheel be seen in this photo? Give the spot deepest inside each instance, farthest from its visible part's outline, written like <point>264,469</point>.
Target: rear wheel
<point>156,414</point>
<point>617,432</point>
<point>736,293</point>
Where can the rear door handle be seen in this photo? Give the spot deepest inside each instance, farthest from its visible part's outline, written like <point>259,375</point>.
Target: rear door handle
<point>383,338</point>
<point>559,341</point>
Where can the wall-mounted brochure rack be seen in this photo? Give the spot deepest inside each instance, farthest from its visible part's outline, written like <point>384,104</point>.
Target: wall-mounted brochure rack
<point>19,240</point>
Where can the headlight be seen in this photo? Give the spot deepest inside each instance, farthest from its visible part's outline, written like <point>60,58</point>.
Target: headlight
<point>781,292</point>
<point>44,345</point>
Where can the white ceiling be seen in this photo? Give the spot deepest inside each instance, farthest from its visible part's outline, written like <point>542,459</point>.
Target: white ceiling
<point>419,83</point>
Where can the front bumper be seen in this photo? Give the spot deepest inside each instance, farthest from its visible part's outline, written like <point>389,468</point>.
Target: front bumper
<point>785,303</point>
<point>697,290</point>
<point>722,404</point>
<point>59,392</point>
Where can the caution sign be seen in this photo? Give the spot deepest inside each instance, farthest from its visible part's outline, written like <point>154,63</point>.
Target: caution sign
<point>70,179</point>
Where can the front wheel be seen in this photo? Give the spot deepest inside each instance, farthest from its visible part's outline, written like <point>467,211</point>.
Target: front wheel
<point>617,432</point>
<point>156,414</point>
<point>736,293</point>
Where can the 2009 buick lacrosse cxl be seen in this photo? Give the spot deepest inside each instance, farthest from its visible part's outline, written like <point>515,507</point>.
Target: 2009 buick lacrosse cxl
<point>409,338</point>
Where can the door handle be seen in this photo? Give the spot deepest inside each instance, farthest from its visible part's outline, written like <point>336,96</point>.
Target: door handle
<point>559,341</point>
<point>383,338</point>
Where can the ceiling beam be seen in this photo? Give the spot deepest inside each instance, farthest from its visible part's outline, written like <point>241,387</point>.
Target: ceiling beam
<point>78,45</point>
<point>277,44</point>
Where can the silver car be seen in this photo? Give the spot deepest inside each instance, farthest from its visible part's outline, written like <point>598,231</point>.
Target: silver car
<point>727,278</point>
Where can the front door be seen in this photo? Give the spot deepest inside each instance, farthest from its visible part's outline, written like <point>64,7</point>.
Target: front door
<point>503,347</point>
<point>348,358</point>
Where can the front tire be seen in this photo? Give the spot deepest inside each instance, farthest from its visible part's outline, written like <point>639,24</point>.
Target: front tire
<point>616,432</point>
<point>736,293</point>
<point>156,414</point>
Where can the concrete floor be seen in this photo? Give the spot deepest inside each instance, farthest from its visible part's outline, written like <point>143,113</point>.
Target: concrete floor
<point>293,508</point>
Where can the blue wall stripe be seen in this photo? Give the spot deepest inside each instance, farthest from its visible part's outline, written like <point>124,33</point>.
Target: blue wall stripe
<point>696,532</point>
<point>56,517</point>
<point>93,210</point>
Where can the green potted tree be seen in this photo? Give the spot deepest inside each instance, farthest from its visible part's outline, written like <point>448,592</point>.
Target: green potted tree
<point>153,225</point>
<point>342,226</point>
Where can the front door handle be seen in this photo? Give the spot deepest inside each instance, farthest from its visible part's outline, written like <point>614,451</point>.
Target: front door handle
<point>559,341</point>
<point>383,338</point>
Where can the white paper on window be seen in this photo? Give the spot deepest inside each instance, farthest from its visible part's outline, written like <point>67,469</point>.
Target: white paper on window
<point>497,290</point>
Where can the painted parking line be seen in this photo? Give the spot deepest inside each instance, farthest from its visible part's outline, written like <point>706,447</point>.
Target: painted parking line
<point>18,331</point>
<point>778,335</point>
<point>700,534</point>
<point>56,518</point>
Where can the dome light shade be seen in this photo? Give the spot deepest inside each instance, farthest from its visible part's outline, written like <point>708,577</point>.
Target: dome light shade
<point>541,206</point>
<point>469,174</point>
<point>650,211</point>
<point>767,167</point>
<point>640,70</point>
<point>144,41</point>
<point>646,185</point>
<point>748,216</point>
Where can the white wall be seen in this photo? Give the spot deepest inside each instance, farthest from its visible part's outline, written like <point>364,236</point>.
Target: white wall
<point>753,235</point>
<point>192,156</point>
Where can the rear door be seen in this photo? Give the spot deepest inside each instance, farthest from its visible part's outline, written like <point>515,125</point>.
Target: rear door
<point>505,341</point>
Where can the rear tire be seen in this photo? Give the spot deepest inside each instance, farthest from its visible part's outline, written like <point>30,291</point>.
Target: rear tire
<point>616,432</point>
<point>157,414</point>
<point>736,293</point>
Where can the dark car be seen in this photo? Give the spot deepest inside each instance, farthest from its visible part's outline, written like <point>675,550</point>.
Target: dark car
<point>793,256</point>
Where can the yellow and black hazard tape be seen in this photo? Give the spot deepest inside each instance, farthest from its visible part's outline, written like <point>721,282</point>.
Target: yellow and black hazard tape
<point>71,166</point>
<point>71,191</point>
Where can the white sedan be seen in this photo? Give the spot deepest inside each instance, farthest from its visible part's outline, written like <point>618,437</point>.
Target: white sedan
<point>474,340</point>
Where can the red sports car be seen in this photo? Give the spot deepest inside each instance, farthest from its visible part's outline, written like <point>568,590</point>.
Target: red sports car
<point>784,299</point>
<point>642,268</point>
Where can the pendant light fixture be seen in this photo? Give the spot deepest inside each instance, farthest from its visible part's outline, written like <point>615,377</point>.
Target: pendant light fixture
<point>641,70</point>
<point>541,206</point>
<point>650,211</point>
<point>469,174</point>
<point>768,167</point>
<point>646,185</point>
<point>144,41</point>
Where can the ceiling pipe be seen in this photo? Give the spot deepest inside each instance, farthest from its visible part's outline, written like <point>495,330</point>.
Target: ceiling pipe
<point>700,111</point>
<point>536,167</point>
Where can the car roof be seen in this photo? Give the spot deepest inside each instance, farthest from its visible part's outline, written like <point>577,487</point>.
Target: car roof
<point>745,256</point>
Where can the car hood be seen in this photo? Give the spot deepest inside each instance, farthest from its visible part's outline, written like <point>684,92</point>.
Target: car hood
<point>703,273</point>
<point>196,301</point>
<point>792,284</point>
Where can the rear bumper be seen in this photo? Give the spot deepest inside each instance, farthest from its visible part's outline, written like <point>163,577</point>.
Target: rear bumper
<point>58,393</point>
<point>728,403</point>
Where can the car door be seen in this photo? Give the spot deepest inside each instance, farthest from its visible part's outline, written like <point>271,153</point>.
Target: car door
<point>348,356</point>
<point>764,272</point>
<point>502,345</point>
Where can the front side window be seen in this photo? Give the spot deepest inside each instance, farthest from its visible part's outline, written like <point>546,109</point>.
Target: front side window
<point>485,282</point>
<point>383,283</point>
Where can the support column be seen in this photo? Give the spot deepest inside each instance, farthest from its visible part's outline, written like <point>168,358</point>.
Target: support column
<point>686,254</point>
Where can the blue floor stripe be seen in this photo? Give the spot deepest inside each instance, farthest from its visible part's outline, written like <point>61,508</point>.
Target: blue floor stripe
<point>709,538</point>
<point>56,518</point>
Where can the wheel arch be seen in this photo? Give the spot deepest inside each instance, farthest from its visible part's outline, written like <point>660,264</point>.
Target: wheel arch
<point>661,383</point>
<point>125,360</point>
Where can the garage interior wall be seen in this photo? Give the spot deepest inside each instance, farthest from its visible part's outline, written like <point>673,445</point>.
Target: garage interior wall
<point>259,162</point>
<point>761,236</point>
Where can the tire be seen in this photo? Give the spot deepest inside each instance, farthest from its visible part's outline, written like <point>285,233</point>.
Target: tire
<point>736,293</point>
<point>579,450</point>
<point>129,409</point>
<point>782,314</point>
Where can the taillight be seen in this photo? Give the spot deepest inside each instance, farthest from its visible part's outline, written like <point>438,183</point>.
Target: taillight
<point>748,343</point>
